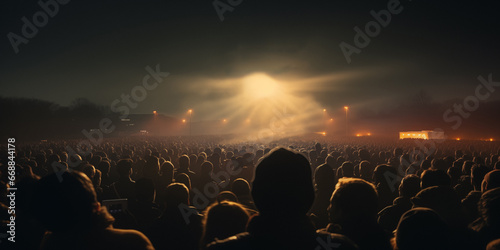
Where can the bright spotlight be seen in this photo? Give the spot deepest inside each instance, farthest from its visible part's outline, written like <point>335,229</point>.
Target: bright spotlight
<point>260,85</point>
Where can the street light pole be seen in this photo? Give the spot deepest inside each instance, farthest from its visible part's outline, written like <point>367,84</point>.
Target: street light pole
<point>346,124</point>
<point>190,114</point>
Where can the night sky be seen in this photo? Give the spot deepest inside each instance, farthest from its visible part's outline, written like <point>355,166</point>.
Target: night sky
<point>99,50</point>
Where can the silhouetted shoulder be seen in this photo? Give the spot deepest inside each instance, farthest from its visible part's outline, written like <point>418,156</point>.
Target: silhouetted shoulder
<point>240,241</point>
<point>108,239</point>
<point>129,239</point>
<point>324,241</point>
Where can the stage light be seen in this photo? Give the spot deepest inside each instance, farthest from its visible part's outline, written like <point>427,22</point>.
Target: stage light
<point>260,85</point>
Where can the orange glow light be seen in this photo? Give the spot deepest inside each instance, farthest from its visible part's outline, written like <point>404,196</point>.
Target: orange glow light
<point>458,139</point>
<point>190,111</point>
<point>324,133</point>
<point>183,120</point>
<point>154,112</point>
<point>358,135</point>
<point>324,110</point>
<point>369,134</point>
<point>331,119</point>
<point>491,139</point>
<point>346,108</point>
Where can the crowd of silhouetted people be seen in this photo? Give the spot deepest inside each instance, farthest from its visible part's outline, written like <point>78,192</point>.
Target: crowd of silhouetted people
<point>203,193</point>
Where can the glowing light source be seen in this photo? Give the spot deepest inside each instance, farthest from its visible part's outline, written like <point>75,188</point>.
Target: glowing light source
<point>324,133</point>
<point>190,111</point>
<point>369,134</point>
<point>346,108</point>
<point>458,139</point>
<point>491,139</point>
<point>331,119</point>
<point>358,135</point>
<point>260,85</point>
<point>154,112</point>
<point>183,120</point>
<point>324,110</point>
<point>224,120</point>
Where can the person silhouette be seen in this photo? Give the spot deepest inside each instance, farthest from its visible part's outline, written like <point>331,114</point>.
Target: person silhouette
<point>67,207</point>
<point>283,193</point>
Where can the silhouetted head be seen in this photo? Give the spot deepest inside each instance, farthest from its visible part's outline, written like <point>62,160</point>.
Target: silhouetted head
<point>152,167</point>
<point>494,245</point>
<point>477,176</point>
<point>442,199</point>
<point>124,168</point>
<point>66,201</point>
<point>426,164</point>
<point>410,186</point>
<point>104,166</point>
<point>491,180</point>
<point>365,170</point>
<point>184,162</point>
<point>224,219</point>
<point>167,171</point>
<point>282,186</point>
<point>381,173</point>
<point>175,195</point>
<point>421,228</point>
<point>89,170</point>
<point>434,177</point>
<point>206,169</point>
<point>184,179</point>
<point>353,200</point>
<point>240,187</point>
<point>489,208</point>
<point>324,178</point>
<point>226,196</point>
<point>439,164</point>
<point>347,169</point>
<point>467,167</point>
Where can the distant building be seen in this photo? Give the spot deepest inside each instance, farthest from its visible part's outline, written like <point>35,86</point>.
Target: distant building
<point>424,134</point>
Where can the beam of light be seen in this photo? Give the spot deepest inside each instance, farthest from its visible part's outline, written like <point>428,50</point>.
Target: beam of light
<point>259,85</point>
<point>256,105</point>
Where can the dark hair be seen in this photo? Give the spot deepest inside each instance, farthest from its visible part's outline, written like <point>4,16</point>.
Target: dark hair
<point>176,194</point>
<point>123,167</point>
<point>223,220</point>
<point>356,198</point>
<point>66,201</point>
<point>283,177</point>
<point>410,186</point>
<point>434,177</point>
